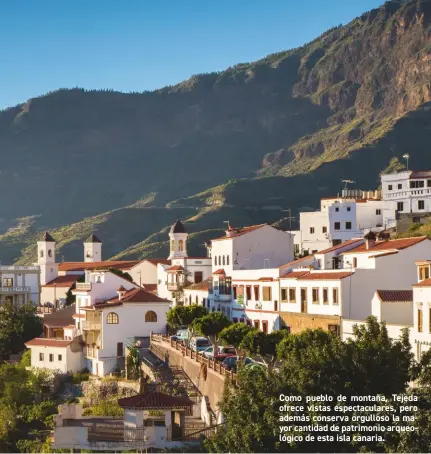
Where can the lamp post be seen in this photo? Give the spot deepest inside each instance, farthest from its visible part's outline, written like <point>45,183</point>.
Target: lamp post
<point>406,157</point>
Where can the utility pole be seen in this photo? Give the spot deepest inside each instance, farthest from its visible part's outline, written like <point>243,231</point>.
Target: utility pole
<point>289,218</point>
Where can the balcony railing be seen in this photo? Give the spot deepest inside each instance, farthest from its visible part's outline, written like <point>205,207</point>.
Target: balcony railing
<point>91,326</point>
<point>173,285</point>
<point>18,268</point>
<point>10,290</point>
<point>83,286</point>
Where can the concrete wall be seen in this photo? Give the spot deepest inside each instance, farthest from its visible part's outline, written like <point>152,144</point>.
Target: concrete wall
<point>301,322</point>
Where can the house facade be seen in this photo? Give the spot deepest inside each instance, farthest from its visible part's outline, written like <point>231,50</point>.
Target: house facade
<point>19,284</point>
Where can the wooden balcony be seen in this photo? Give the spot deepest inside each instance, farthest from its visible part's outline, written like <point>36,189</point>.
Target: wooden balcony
<point>88,325</point>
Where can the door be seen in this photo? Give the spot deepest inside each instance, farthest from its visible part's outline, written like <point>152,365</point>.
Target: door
<point>120,349</point>
<point>304,300</point>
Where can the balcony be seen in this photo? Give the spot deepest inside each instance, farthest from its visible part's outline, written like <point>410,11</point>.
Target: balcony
<point>173,286</point>
<point>91,326</point>
<point>83,286</point>
<point>14,290</point>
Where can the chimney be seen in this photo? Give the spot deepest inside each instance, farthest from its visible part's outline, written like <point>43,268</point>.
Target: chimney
<point>370,240</point>
<point>121,292</point>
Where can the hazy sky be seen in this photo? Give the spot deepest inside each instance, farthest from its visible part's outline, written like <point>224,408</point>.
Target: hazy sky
<point>135,45</point>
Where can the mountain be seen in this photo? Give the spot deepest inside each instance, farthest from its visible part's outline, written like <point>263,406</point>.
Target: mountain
<point>243,145</point>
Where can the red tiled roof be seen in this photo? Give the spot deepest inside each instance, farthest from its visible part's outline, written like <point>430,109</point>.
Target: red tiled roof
<point>175,268</point>
<point>154,401</point>
<point>46,342</point>
<point>62,281</point>
<point>295,274</point>
<point>81,266</point>
<point>338,246</point>
<point>295,262</point>
<point>424,283</point>
<point>422,174</point>
<point>150,287</point>
<point>78,315</point>
<point>204,285</point>
<point>266,279</point>
<point>220,271</point>
<point>395,296</point>
<point>326,276</point>
<point>121,289</point>
<point>136,295</point>
<point>399,244</point>
<point>238,232</point>
<point>157,261</point>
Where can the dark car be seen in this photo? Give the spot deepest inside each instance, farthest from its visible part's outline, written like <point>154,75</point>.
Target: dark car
<point>231,363</point>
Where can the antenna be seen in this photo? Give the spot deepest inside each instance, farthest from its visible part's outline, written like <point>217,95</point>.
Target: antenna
<point>289,218</point>
<point>346,182</point>
<point>228,224</point>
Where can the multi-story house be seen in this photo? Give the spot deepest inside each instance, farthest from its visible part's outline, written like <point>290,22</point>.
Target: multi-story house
<point>338,220</point>
<point>19,284</point>
<point>407,197</point>
<point>181,271</point>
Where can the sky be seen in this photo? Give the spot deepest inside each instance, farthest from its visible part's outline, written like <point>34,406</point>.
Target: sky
<point>137,45</point>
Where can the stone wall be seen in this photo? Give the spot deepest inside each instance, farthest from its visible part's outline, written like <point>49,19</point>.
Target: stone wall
<point>299,322</point>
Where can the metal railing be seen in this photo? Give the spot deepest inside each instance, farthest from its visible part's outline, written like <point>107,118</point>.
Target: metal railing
<point>18,289</point>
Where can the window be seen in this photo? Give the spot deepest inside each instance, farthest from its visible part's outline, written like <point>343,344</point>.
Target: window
<point>256,324</point>
<point>336,242</point>
<point>419,320</point>
<point>41,253</point>
<point>348,226</point>
<point>335,296</point>
<point>325,296</point>
<point>400,186</point>
<point>355,262</point>
<point>40,356</point>
<point>400,206</point>
<point>421,204</point>
<point>315,295</point>
<point>60,358</point>
<point>248,292</point>
<point>198,277</point>
<point>173,245</point>
<point>337,209</point>
<point>181,245</point>
<point>336,226</point>
<point>234,291</point>
<point>378,212</point>
<point>334,329</point>
<point>51,357</point>
<point>7,282</point>
<point>390,187</point>
<point>348,208</point>
<point>429,183</point>
<point>265,326</point>
<point>284,294</point>
<point>324,229</point>
<point>292,295</point>
<point>112,318</point>
<point>151,316</point>
<point>275,306</point>
<point>196,300</point>
<point>417,184</point>
<point>266,293</point>
<point>215,260</point>
<point>256,293</point>
<point>311,229</point>
<point>424,272</point>
<point>224,260</point>
<point>335,263</point>
<point>227,260</point>
<point>49,253</point>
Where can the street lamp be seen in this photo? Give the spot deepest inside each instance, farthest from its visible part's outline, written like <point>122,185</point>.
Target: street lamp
<point>406,157</point>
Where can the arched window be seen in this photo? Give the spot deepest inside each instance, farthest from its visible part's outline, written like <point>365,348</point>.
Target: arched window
<point>112,318</point>
<point>41,252</point>
<point>181,245</point>
<point>49,253</point>
<point>173,245</point>
<point>227,260</point>
<point>224,261</point>
<point>197,300</point>
<point>151,316</point>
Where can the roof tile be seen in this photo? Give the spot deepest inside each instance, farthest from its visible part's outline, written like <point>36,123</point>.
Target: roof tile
<point>395,296</point>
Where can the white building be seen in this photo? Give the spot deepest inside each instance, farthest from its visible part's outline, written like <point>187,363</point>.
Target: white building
<point>406,192</point>
<point>180,270</point>
<point>339,219</point>
<point>19,284</point>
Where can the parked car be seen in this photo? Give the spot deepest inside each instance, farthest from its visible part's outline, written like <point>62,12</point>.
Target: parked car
<point>231,363</point>
<point>223,352</point>
<point>182,335</point>
<point>199,344</point>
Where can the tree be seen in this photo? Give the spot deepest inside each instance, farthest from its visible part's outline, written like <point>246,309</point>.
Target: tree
<point>234,334</point>
<point>18,324</point>
<point>184,315</point>
<point>211,325</point>
<point>262,344</point>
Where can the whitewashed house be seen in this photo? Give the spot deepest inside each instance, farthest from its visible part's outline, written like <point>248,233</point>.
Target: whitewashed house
<point>339,219</point>
<point>180,271</point>
<point>406,193</point>
<point>19,284</point>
